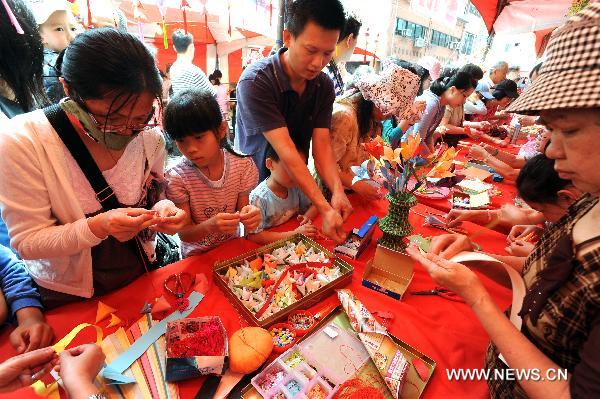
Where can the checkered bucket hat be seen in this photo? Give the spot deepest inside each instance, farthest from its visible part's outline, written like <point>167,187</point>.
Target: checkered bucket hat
<point>570,75</point>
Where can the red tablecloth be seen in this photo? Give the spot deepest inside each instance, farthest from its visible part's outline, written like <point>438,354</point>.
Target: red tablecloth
<point>446,331</point>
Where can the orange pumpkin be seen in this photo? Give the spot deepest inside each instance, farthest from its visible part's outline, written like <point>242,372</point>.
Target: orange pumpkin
<point>249,347</point>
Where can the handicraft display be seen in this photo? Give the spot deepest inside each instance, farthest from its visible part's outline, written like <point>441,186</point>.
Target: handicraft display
<point>267,284</point>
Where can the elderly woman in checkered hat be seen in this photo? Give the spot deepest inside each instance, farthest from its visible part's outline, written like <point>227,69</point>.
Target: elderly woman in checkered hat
<point>557,326</point>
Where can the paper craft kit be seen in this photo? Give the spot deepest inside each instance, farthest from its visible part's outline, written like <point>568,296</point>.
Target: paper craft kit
<point>464,200</point>
<point>389,272</point>
<point>266,284</point>
<point>357,240</point>
<point>348,344</point>
<point>196,347</point>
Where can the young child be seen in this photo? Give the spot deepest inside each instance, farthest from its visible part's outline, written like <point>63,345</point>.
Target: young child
<point>211,182</point>
<point>541,187</point>
<point>20,301</point>
<point>57,27</point>
<point>278,199</point>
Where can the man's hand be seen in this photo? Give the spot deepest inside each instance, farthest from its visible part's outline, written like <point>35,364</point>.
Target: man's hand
<point>340,203</point>
<point>333,226</point>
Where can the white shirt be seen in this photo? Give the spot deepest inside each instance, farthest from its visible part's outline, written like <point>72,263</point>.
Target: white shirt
<point>46,222</point>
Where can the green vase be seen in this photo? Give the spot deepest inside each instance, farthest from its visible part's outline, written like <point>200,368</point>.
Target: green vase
<point>395,225</point>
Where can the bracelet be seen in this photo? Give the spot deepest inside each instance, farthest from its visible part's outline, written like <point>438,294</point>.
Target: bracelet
<point>496,153</point>
<point>97,396</point>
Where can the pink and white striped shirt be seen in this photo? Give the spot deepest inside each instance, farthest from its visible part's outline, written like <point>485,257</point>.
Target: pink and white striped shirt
<point>206,198</point>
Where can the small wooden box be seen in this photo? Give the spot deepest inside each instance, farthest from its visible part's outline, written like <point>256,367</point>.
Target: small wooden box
<point>220,268</point>
<point>389,272</point>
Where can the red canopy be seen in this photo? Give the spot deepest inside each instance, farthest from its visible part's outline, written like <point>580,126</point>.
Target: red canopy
<point>489,10</point>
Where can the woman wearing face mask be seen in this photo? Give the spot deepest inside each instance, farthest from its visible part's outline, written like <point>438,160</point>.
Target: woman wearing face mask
<point>448,90</point>
<point>79,241</point>
<point>560,315</point>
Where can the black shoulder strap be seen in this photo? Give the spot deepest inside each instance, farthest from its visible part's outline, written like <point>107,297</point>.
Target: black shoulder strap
<point>60,122</point>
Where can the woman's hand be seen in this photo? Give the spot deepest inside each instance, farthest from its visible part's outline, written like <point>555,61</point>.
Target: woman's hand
<point>250,217</point>
<point>171,219</point>
<point>17,372</point>
<point>78,369</point>
<point>478,152</point>
<point>32,332</point>
<point>520,248</point>
<point>448,245</point>
<point>367,191</point>
<point>524,232</point>
<point>122,223</point>
<point>451,275</point>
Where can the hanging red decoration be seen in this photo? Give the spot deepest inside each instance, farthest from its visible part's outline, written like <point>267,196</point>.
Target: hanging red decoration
<point>184,6</point>
<point>270,12</point>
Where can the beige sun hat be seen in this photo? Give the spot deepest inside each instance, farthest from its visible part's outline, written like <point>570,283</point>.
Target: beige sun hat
<point>570,76</point>
<point>392,91</point>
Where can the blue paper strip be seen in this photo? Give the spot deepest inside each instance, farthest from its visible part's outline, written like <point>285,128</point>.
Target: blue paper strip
<point>114,371</point>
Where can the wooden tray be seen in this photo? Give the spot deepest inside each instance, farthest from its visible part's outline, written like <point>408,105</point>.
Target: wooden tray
<point>413,386</point>
<point>220,268</point>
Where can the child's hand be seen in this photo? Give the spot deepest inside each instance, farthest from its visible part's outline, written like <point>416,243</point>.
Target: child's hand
<point>32,332</point>
<point>172,219</point>
<point>250,217</point>
<point>303,219</point>
<point>17,372</point>
<point>224,223</point>
<point>309,230</point>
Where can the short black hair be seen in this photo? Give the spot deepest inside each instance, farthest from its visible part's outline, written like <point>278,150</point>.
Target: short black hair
<point>181,40</point>
<point>538,181</point>
<point>271,153</point>
<point>328,14</point>
<point>351,27</point>
<point>473,70</point>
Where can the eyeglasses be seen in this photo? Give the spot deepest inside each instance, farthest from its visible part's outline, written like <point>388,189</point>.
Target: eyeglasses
<point>118,129</point>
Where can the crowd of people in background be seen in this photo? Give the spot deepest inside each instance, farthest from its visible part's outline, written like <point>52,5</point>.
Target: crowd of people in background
<point>88,205</point>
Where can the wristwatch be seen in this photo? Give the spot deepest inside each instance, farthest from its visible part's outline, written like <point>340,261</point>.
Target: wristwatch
<point>97,396</point>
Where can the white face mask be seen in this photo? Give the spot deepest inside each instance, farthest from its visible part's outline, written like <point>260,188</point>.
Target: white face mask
<point>110,140</point>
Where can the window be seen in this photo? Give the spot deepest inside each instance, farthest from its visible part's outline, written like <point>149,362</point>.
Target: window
<point>400,25</point>
<point>467,47</point>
